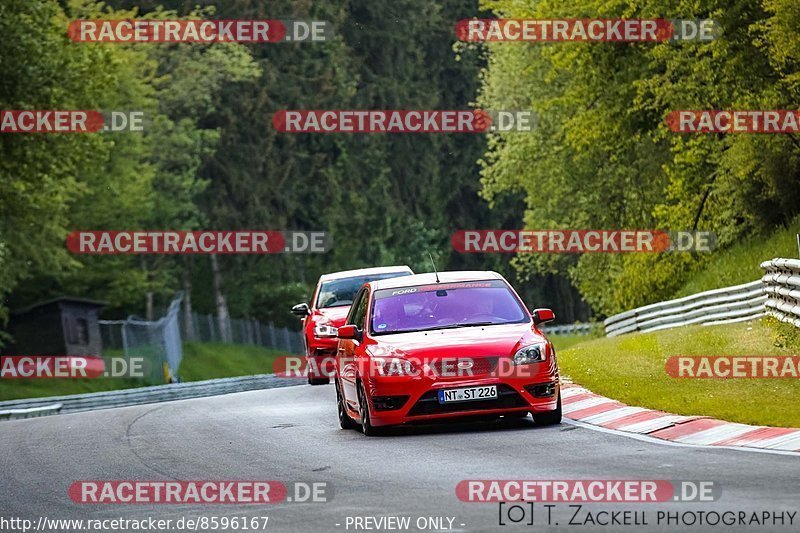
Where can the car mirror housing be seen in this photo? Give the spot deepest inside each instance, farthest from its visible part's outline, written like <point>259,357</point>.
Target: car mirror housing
<point>349,332</point>
<point>540,316</point>
<point>301,310</point>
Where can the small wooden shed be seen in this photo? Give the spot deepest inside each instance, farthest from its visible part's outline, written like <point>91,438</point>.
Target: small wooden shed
<point>61,326</point>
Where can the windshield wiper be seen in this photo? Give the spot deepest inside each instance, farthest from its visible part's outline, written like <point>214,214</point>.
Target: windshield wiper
<point>454,326</point>
<point>450,326</point>
<point>470,324</point>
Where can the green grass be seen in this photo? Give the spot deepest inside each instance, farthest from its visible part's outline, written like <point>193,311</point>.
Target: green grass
<point>200,361</point>
<point>17,389</point>
<point>630,368</point>
<point>740,263</point>
<point>215,360</point>
<point>564,342</point>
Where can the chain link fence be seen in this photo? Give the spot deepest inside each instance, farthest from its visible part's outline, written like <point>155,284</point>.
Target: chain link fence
<point>159,342</point>
<point>206,328</point>
<point>156,342</point>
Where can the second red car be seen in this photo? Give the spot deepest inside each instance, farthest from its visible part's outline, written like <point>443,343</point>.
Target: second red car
<point>332,298</point>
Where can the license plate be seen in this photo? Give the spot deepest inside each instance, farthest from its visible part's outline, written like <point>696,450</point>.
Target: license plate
<point>468,394</point>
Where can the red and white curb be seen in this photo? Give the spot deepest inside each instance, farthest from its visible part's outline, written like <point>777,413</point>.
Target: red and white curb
<point>584,406</point>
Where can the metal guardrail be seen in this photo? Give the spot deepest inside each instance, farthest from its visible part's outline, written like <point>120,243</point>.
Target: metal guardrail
<point>569,329</point>
<point>143,395</point>
<point>782,287</point>
<point>30,412</point>
<point>718,306</point>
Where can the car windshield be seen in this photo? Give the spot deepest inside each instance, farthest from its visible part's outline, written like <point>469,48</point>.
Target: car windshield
<point>445,305</point>
<point>340,292</point>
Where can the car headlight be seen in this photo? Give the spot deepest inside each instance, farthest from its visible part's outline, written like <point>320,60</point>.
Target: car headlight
<point>325,330</point>
<point>534,353</point>
<point>393,366</point>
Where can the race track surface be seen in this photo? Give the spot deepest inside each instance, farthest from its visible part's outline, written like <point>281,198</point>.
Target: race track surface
<point>291,434</point>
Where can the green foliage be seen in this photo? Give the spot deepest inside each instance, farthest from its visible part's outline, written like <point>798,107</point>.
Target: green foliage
<point>602,141</point>
<point>740,263</point>
<point>53,184</point>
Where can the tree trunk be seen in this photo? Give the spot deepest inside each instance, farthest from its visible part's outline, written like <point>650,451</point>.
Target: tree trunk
<point>148,299</point>
<point>223,319</point>
<point>186,282</point>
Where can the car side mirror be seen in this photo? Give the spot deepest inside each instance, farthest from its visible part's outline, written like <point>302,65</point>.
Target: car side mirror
<point>540,316</point>
<point>349,332</point>
<point>301,310</point>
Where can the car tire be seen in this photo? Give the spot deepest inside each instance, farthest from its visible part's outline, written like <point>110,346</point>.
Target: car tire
<point>345,422</point>
<point>318,381</point>
<point>363,410</point>
<point>548,418</point>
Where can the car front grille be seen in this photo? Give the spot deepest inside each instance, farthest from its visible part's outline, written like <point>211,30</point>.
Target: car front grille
<point>449,367</point>
<point>428,404</point>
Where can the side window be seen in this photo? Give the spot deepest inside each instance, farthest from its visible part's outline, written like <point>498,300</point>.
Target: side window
<point>361,311</point>
<point>351,316</point>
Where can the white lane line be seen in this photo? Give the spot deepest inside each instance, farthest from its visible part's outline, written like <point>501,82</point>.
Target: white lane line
<point>654,440</point>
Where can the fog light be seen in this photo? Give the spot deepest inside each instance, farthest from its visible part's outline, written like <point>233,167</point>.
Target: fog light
<point>388,403</point>
<point>541,390</point>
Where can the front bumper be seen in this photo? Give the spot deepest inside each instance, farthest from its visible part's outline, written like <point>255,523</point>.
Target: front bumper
<point>405,400</point>
<point>321,359</point>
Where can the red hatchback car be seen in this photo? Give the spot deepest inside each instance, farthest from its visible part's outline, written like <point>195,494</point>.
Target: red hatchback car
<point>331,301</point>
<point>427,347</point>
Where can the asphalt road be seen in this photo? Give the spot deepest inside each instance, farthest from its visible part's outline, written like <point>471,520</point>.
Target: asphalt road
<point>291,434</point>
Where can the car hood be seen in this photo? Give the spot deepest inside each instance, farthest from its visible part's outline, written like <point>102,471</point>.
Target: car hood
<point>336,315</point>
<point>476,341</point>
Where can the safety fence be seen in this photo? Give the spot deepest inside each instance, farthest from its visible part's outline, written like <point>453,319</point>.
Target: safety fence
<point>782,287</point>
<point>718,306</point>
<point>569,329</point>
<point>34,407</point>
<point>776,294</point>
<point>157,342</point>
<point>160,342</point>
<point>206,328</point>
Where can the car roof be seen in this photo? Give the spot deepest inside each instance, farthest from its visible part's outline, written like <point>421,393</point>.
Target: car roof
<point>430,278</point>
<point>365,272</point>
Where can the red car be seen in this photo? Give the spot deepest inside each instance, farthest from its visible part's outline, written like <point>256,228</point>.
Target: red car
<point>432,346</point>
<point>331,301</point>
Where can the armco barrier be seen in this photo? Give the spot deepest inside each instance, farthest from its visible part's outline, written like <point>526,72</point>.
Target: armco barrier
<point>30,412</point>
<point>782,287</point>
<point>568,329</point>
<point>158,393</point>
<point>719,306</point>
